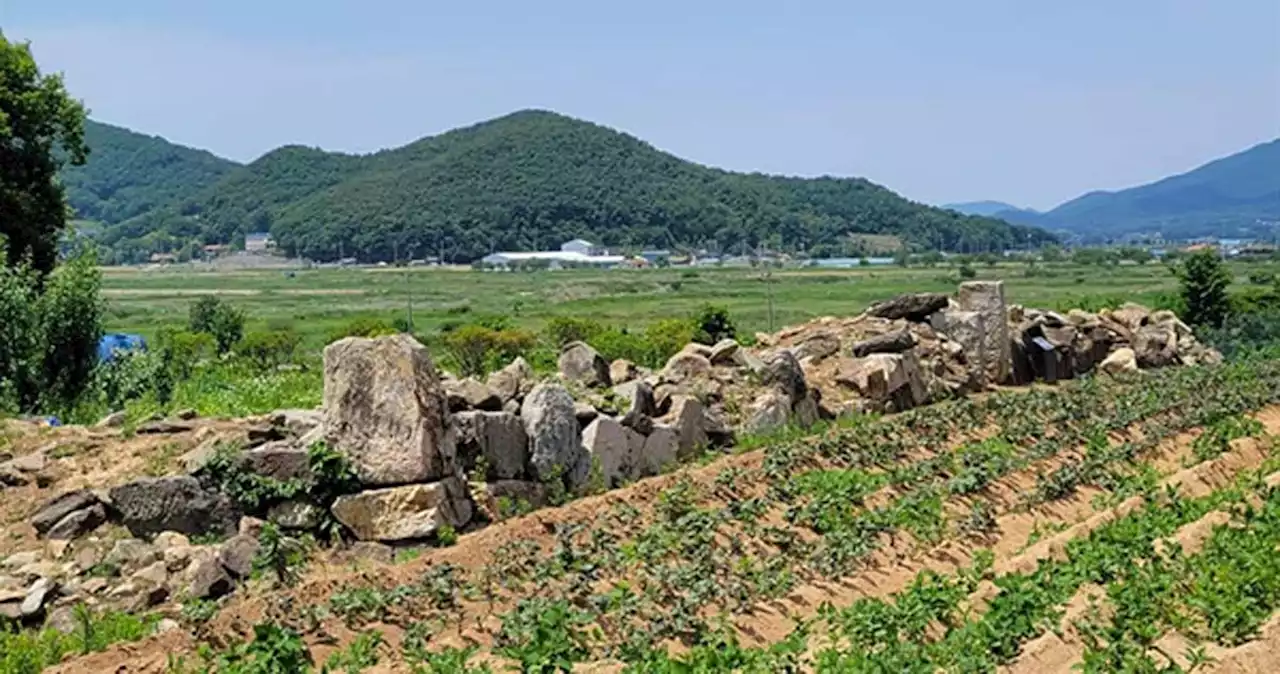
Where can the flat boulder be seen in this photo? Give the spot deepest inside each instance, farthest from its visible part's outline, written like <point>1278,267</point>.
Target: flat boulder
<point>891,342</point>
<point>915,307</point>
<point>53,511</point>
<point>584,365</point>
<point>555,448</point>
<point>405,513</point>
<point>817,346</point>
<point>497,437</point>
<point>386,410</point>
<point>280,460</point>
<point>725,352</point>
<point>78,523</point>
<point>150,505</point>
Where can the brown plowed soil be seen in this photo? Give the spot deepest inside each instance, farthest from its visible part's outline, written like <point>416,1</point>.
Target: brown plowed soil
<point>888,570</point>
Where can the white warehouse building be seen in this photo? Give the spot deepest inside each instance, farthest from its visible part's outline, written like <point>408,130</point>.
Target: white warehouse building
<point>576,253</point>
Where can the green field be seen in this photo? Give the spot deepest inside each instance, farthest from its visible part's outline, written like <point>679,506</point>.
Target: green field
<point>317,302</point>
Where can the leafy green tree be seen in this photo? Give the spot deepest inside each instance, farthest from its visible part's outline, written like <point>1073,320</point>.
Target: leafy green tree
<point>41,129</point>
<point>1204,280</point>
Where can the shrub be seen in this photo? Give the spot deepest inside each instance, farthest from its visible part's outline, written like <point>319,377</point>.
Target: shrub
<point>1204,281</point>
<point>362,327</point>
<point>666,338</point>
<point>564,329</point>
<point>185,349</point>
<point>218,319</point>
<point>267,349</point>
<point>967,272</point>
<point>616,343</point>
<point>712,324</point>
<point>470,346</point>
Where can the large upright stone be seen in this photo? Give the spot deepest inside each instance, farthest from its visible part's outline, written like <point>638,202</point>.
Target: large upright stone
<point>150,505</point>
<point>611,449</point>
<point>552,427</point>
<point>987,299</point>
<point>783,372</point>
<point>386,410</point>
<point>498,437</point>
<point>405,513</point>
<point>688,418</point>
<point>582,364</point>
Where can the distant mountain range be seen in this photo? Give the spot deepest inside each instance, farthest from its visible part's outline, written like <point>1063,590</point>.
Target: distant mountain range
<point>1234,197</point>
<point>525,181</point>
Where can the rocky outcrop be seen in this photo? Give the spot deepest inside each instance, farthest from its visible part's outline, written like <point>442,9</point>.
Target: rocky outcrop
<point>583,365</point>
<point>386,410</point>
<point>405,513</point>
<point>150,505</point>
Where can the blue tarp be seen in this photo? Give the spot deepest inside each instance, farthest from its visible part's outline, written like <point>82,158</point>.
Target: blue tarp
<point>119,342</point>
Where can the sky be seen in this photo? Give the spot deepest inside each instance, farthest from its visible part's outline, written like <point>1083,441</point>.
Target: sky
<point>1031,102</point>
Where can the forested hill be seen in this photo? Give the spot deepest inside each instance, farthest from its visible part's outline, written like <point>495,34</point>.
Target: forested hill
<point>129,173</point>
<point>531,180</point>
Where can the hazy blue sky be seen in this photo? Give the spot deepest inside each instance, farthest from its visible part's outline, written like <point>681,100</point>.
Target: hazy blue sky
<point>1027,101</point>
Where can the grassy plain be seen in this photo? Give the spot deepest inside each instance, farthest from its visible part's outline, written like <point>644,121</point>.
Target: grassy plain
<point>316,302</point>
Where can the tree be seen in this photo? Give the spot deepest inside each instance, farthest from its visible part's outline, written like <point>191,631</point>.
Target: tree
<point>1204,288</point>
<point>212,316</point>
<point>41,130</point>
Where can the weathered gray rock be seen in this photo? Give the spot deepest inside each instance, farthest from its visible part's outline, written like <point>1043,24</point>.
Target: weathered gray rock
<point>156,573</point>
<point>1130,315</point>
<point>131,553</point>
<point>660,449</point>
<point>688,420</point>
<point>150,505</point>
<point>622,370</point>
<point>386,410</point>
<point>783,372</point>
<point>914,307</point>
<point>469,394</point>
<point>1156,345</point>
<point>886,378</point>
<point>725,352</point>
<point>638,396</point>
<point>405,513</point>
<point>39,592</point>
<point>209,580</point>
<point>552,428</point>
<point>499,437</point>
<point>237,555</point>
<point>371,550</point>
<point>686,366</point>
<point>28,463</point>
<point>987,299</point>
<point>21,559</point>
<point>608,444</point>
<point>807,411</point>
<point>279,460</point>
<point>585,413</point>
<point>163,428</point>
<point>817,346</point>
<point>770,410</point>
<point>78,523</point>
<point>296,514</point>
<point>582,364</point>
<point>61,506</point>
<point>891,342</point>
<point>298,422</point>
<point>512,381</point>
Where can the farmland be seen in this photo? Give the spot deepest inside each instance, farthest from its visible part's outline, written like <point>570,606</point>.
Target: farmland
<point>316,302</point>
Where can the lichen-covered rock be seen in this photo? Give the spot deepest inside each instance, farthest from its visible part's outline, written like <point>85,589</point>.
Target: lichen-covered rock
<point>405,513</point>
<point>499,437</point>
<point>783,372</point>
<point>582,364</point>
<point>150,505</point>
<point>551,425</point>
<point>386,410</point>
<point>770,410</point>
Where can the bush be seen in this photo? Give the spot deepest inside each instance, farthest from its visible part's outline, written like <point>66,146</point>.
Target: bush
<point>185,349</point>
<point>562,330</point>
<point>476,349</point>
<point>712,324</point>
<point>268,349</point>
<point>218,319</point>
<point>967,272</point>
<point>666,338</point>
<point>1204,288</point>
<point>362,327</point>
<point>49,333</point>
